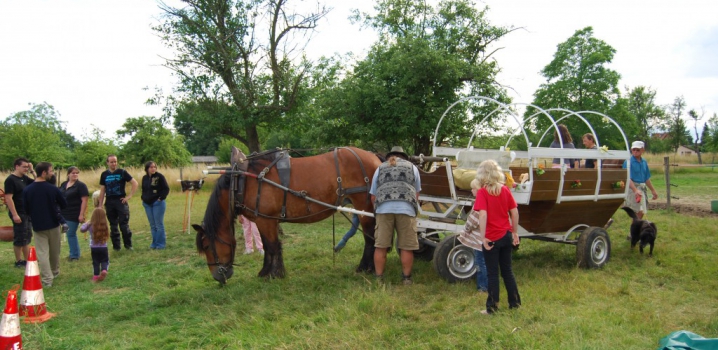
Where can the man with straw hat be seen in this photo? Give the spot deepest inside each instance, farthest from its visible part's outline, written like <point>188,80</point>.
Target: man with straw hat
<point>395,192</point>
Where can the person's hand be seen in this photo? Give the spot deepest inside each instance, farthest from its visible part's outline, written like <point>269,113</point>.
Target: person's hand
<point>638,197</point>
<point>488,245</point>
<point>655,195</point>
<point>16,219</point>
<point>81,218</point>
<point>515,237</point>
<point>124,200</point>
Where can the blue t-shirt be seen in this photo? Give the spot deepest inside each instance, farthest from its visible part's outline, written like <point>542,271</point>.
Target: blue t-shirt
<point>639,170</point>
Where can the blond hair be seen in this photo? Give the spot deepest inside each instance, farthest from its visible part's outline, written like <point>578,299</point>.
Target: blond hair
<point>490,176</point>
<point>100,229</point>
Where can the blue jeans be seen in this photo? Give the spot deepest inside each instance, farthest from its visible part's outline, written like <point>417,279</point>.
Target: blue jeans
<point>352,231</point>
<point>482,279</point>
<point>72,239</point>
<point>156,217</point>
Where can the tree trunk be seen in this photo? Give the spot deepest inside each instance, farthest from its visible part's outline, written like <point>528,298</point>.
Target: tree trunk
<point>253,139</point>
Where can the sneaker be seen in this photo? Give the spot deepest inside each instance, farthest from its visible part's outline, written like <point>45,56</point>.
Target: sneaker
<point>248,251</point>
<point>102,276</point>
<point>379,279</point>
<point>94,278</point>
<point>406,280</point>
<point>72,259</point>
<point>129,248</point>
<point>261,252</point>
<point>20,263</point>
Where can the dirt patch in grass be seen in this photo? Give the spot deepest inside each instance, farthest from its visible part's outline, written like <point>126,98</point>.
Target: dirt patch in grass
<point>685,207</point>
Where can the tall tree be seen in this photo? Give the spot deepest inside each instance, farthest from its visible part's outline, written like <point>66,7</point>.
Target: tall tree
<point>426,59</point>
<point>242,53</point>
<point>36,134</point>
<point>650,117</point>
<point>93,150</point>
<point>711,134</point>
<point>697,141</point>
<point>150,140</point>
<point>578,79</point>
<point>677,129</point>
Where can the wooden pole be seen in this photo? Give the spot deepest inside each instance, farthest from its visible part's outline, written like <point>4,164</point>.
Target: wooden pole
<point>666,170</point>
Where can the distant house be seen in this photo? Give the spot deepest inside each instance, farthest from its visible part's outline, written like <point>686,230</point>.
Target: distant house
<point>661,135</point>
<point>204,159</point>
<point>685,151</point>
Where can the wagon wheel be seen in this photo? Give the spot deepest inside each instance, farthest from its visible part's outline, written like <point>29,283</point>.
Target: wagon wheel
<point>453,260</point>
<point>425,251</point>
<point>593,248</point>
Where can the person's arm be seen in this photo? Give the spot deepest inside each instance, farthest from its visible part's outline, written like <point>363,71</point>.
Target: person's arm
<point>101,197</point>
<point>11,207</point>
<point>514,213</point>
<point>482,228</point>
<point>83,208</point>
<point>165,188</point>
<point>653,190</point>
<point>133,182</point>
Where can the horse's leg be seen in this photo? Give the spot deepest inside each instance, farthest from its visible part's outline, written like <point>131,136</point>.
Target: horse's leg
<point>367,260</point>
<point>273,262</point>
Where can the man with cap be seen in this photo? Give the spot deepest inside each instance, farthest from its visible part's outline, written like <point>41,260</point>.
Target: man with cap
<point>640,179</point>
<point>395,191</point>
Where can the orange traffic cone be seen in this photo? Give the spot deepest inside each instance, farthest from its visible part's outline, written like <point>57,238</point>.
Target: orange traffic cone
<point>10,326</point>
<point>32,300</point>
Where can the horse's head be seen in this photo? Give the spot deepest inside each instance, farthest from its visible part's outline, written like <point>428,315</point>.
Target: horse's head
<point>215,237</point>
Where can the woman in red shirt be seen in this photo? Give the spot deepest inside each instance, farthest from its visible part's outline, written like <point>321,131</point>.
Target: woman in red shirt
<point>496,205</point>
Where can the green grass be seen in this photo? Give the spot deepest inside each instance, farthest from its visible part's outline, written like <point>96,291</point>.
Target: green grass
<point>168,300</point>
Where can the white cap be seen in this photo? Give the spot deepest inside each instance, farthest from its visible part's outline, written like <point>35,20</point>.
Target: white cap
<point>637,144</point>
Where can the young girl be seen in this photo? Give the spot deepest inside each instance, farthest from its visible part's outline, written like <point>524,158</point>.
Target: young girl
<point>99,234</point>
<point>251,233</point>
<point>472,238</point>
<point>495,205</point>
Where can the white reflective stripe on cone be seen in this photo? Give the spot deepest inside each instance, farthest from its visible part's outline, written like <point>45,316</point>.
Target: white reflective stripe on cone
<point>32,269</point>
<point>10,326</point>
<point>32,297</point>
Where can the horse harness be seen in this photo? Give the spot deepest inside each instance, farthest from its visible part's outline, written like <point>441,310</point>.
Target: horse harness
<point>282,161</point>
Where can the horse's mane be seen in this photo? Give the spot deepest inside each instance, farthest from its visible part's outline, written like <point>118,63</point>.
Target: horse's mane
<point>213,213</point>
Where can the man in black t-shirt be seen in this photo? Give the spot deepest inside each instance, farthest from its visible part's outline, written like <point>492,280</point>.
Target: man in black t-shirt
<point>112,187</point>
<point>22,230</point>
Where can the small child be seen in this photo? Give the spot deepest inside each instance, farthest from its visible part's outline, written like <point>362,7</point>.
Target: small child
<point>472,238</point>
<point>251,233</point>
<point>99,234</point>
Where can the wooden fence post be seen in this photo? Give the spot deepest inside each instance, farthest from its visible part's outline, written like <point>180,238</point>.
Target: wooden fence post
<point>666,170</point>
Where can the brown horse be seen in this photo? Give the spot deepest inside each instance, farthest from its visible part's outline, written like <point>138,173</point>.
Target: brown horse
<point>260,195</point>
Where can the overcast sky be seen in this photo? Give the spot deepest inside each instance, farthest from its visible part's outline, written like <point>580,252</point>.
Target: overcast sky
<point>92,59</point>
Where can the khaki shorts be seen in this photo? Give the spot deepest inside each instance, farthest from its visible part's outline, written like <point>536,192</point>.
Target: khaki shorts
<point>631,199</point>
<point>405,226</point>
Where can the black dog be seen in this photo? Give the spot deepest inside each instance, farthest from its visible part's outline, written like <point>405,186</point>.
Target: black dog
<point>641,230</point>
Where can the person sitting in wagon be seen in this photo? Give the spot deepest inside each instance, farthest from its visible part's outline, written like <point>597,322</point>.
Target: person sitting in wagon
<point>567,143</point>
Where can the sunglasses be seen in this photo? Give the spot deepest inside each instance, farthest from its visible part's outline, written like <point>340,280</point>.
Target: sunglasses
<point>635,149</point>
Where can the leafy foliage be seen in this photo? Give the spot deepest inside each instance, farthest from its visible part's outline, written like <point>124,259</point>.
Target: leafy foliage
<point>577,79</point>
<point>677,130</point>
<point>150,140</point>
<point>238,53</point>
<point>426,59</point>
<point>38,135</point>
<point>649,116</point>
<point>93,151</point>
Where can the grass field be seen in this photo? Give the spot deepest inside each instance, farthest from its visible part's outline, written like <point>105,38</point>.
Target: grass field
<point>168,300</point>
